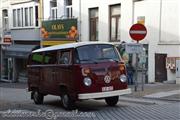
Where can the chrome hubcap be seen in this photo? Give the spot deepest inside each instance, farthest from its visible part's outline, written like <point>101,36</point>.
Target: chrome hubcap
<point>35,96</point>
<point>65,100</point>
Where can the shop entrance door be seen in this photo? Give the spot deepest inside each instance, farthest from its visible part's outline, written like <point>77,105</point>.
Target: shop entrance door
<point>160,67</point>
<point>7,69</point>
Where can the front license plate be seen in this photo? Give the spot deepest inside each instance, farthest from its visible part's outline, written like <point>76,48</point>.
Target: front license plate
<point>109,88</point>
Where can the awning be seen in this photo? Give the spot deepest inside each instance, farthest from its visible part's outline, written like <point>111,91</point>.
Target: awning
<point>19,51</point>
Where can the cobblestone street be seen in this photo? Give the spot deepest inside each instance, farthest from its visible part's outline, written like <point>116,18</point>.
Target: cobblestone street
<point>97,110</point>
<point>136,106</point>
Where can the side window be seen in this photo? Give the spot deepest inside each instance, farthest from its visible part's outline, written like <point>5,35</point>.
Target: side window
<point>64,57</point>
<point>37,58</point>
<point>50,57</point>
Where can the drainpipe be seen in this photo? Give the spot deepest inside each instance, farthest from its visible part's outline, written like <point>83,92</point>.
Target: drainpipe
<point>132,12</point>
<point>160,18</point>
<point>79,20</point>
<point>40,18</point>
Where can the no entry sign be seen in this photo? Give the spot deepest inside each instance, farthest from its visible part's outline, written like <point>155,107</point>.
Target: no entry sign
<point>137,32</point>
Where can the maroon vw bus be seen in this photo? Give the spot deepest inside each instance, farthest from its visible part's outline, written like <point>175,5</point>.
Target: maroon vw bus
<point>77,71</point>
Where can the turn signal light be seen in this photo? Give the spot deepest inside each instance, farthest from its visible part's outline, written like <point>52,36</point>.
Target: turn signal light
<point>121,67</point>
<point>85,71</point>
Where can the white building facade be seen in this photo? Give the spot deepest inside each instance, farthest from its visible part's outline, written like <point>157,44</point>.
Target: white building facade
<point>105,20</point>
<point>98,22</point>
<point>20,23</point>
<point>5,34</point>
<point>56,9</point>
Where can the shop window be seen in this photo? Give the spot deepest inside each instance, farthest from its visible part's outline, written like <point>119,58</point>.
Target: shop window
<point>93,14</point>
<point>115,23</point>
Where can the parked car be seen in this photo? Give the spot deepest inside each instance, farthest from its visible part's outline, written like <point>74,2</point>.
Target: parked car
<point>77,71</point>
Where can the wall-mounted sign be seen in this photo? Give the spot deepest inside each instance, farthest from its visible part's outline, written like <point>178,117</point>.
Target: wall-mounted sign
<point>171,62</point>
<point>65,29</point>
<point>7,39</point>
<point>141,20</point>
<point>133,48</point>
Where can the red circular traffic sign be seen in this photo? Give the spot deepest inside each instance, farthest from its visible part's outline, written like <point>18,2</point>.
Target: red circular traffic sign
<point>137,32</point>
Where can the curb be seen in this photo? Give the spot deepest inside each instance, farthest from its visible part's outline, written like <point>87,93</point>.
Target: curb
<point>163,99</point>
<point>147,101</point>
<point>137,100</point>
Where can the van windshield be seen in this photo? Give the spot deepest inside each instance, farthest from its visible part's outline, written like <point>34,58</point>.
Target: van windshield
<point>97,53</point>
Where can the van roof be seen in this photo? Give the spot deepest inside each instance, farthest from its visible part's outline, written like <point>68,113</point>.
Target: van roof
<point>69,45</point>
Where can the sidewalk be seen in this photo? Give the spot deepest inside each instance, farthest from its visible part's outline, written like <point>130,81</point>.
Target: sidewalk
<point>157,91</point>
<point>13,85</point>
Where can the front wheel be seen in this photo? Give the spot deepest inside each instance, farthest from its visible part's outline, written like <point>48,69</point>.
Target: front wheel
<point>67,102</point>
<point>112,101</point>
<point>37,97</point>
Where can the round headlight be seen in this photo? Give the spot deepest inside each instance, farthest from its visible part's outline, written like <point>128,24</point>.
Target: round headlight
<point>87,81</point>
<point>123,78</point>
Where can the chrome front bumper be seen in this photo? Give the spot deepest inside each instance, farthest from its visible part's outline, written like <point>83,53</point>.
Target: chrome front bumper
<point>104,94</point>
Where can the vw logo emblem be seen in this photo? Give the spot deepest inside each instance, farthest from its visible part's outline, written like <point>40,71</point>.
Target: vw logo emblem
<point>107,79</point>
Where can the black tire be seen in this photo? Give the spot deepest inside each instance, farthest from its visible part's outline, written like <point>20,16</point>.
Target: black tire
<point>37,97</point>
<point>67,102</point>
<point>112,101</point>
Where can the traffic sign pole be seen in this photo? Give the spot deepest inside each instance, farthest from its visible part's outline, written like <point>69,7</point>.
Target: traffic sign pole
<point>136,81</point>
<point>137,33</point>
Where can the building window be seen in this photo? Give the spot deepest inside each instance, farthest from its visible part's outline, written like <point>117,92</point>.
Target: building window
<point>14,18</point>
<point>22,17</point>
<point>19,18</point>
<point>36,16</point>
<point>31,16</point>
<point>5,20</point>
<point>115,23</point>
<point>54,13</point>
<point>53,5</point>
<point>25,17</point>
<point>93,14</point>
<point>69,13</point>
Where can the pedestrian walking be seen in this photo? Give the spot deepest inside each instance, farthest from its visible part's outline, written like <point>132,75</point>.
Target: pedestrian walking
<point>130,72</point>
